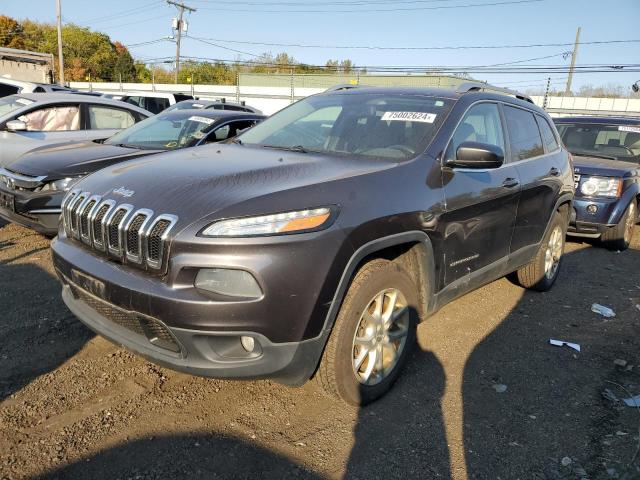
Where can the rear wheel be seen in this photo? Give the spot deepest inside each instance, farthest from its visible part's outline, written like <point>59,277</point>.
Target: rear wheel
<point>620,236</point>
<point>373,334</point>
<point>541,273</point>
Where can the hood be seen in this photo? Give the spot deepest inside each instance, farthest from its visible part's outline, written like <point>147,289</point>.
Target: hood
<point>604,167</point>
<point>196,182</point>
<point>73,159</point>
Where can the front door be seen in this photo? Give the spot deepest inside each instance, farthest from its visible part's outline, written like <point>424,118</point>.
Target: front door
<point>481,204</point>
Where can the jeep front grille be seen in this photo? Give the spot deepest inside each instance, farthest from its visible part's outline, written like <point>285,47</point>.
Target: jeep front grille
<point>119,230</point>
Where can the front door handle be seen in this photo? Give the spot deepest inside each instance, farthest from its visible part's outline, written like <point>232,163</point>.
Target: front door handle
<point>510,182</point>
<point>554,172</point>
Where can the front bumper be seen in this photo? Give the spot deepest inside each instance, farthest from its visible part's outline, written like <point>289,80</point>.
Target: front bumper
<point>202,353</point>
<point>594,224</point>
<point>202,334</point>
<point>35,211</point>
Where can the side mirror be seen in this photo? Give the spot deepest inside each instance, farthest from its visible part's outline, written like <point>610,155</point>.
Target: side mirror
<point>477,155</point>
<point>16,126</point>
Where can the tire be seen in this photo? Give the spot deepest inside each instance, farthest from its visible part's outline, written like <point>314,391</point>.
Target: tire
<point>539,274</point>
<point>337,374</point>
<point>620,236</point>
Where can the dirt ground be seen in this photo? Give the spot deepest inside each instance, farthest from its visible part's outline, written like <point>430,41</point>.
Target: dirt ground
<point>73,405</point>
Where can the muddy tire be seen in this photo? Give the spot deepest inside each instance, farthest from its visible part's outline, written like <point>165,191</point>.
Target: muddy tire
<point>541,273</point>
<point>373,334</point>
<point>620,236</point>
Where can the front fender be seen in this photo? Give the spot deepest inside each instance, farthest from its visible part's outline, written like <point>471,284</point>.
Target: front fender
<point>622,204</point>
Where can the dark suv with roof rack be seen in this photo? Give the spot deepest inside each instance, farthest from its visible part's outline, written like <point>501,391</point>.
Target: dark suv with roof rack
<point>312,244</point>
<point>606,154</point>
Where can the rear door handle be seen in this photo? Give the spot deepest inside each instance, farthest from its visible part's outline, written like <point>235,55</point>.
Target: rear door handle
<point>554,172</point>
<point>510,182</point>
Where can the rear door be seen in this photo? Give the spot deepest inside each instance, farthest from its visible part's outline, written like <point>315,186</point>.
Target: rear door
<point>540,164</point>
<point>481,204</point>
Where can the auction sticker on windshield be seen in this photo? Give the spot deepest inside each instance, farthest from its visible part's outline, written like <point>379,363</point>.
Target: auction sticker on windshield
<point>409,117</point>
<point>626,128</point>
<point>196,118</point>
<point>23,101</point>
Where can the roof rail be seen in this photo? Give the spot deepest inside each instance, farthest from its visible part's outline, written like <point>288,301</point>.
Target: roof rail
<point>479,86</point>
<point>343,86</point>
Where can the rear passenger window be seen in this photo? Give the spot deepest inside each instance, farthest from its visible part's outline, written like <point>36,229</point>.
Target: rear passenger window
<point>480,124</point>
<point>105,117</point>
<point>524,135</point>
<point>549,139</point>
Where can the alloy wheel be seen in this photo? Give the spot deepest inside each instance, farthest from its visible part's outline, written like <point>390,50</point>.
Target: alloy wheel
<point>553,253</point>
<point>380,336</point>
<point>630,223</point>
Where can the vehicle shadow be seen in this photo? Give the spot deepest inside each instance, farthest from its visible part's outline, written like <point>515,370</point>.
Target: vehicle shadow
<point>191,456</point>
<point>552,421</point>
<point>38,331</point>
<point>402,435</point>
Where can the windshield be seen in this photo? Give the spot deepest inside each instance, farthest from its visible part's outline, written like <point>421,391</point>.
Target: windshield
<point>11,103</point>
<point>619,142</point>
<point>379,125</point>
<point>164,132</point>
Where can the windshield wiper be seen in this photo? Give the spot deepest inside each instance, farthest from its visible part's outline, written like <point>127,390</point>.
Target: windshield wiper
<point>597,155</point>
<point>126,145</point>
<point>295,148</point>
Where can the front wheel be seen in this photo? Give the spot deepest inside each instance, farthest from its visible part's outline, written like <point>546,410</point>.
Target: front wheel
<point>541,273</point>
<point>620,236</point>
<point>373,334</point>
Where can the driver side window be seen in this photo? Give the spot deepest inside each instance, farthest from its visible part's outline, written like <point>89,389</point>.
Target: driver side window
<point>480,124</point>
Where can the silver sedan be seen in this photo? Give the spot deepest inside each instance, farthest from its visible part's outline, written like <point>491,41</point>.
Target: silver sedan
<point>33,120</point>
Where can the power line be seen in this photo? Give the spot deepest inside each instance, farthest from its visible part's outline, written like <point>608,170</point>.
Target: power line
<point>150,19</point>
<point>431,69</point>
<point>302,4</point>
<point>122,13</point>
<point>373,10</point>
<point>202,40</point>
<point>442,47</point>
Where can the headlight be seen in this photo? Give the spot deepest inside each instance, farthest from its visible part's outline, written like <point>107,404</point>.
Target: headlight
<point>286,222</point>
<point>601,187</point>
<point>61,185</point>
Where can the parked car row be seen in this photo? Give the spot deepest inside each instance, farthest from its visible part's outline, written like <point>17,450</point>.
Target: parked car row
<point>32,187</point>
<point>310,245</point>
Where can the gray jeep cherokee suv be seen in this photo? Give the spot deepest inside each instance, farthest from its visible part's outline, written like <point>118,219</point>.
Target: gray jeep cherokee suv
<point>312,244</point>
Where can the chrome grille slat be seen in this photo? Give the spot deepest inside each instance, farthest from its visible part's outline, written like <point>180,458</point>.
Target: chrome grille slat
<point>66,202</point>
<point>84,224</point>
<point>135,229</point>
<point>75,207</point>
<point>98,219</point>
<point>120,231</point>
<point>156,238</point>
<point>115,229</point>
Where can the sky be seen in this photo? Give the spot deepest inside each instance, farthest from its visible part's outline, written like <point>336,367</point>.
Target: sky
<point>375,23</point>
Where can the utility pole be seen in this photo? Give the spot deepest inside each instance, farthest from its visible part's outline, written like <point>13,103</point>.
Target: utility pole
<point>546,93</point>
<point>181,8</point>
<point>60,57</point>
<point>574,54</point>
